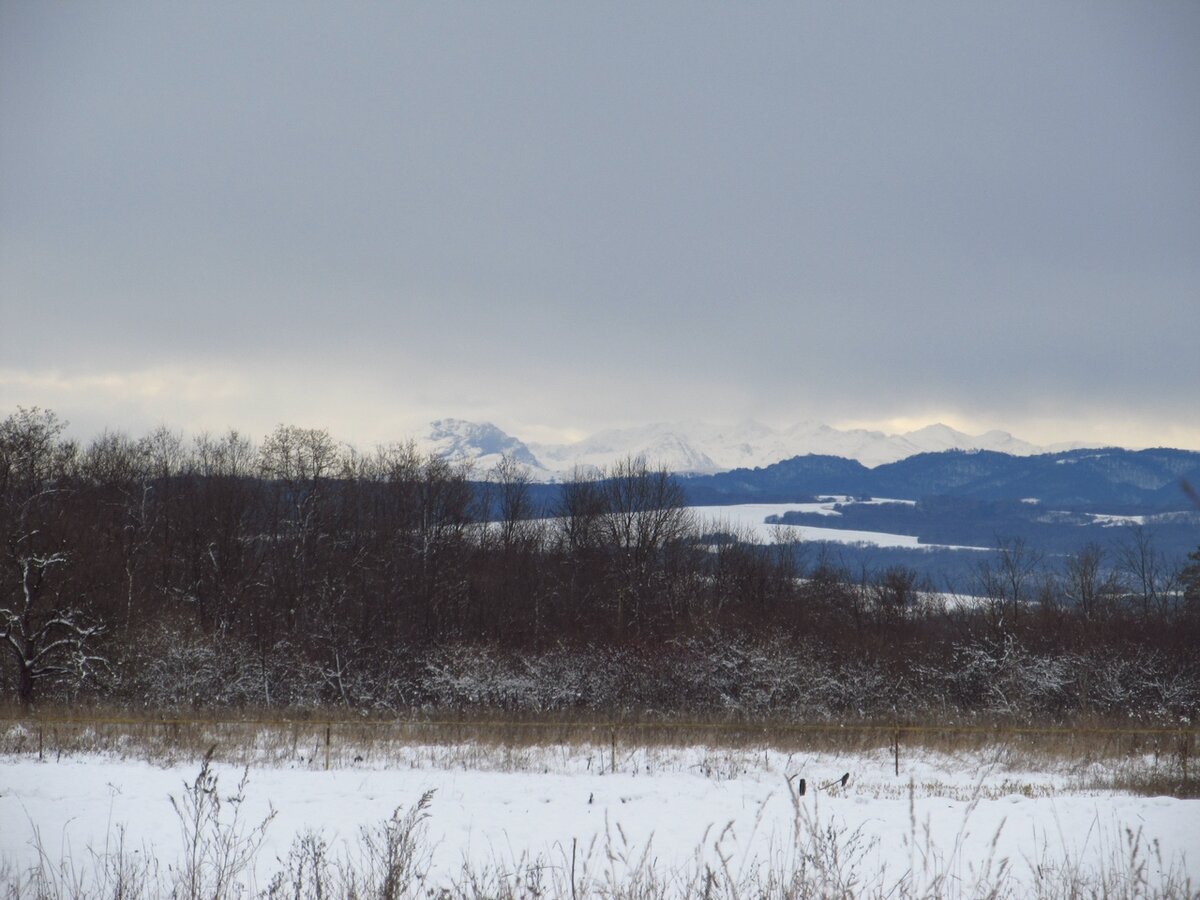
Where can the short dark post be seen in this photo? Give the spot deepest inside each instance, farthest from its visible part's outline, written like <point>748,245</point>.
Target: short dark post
<point>328,729</point>
<point>573,842</point>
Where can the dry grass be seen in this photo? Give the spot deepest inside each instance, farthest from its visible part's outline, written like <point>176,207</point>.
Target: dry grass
<point>1092,756</point>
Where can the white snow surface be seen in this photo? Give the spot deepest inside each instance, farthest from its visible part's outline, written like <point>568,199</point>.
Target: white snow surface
<point>751,518</point>
<point>492,809</point>
<point>1112,520</point>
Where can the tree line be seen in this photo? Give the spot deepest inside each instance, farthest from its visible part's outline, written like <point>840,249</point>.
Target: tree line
<point>300,548</point>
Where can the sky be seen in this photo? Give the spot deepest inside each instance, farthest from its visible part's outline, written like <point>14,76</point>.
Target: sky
<point>562,217</point>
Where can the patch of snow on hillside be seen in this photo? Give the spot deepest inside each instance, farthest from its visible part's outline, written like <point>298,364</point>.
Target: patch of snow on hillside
<point>751,519</point>
<point>1111,521</point>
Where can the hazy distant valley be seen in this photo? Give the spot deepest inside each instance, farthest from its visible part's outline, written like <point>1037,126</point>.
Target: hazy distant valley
<point>950,497</point>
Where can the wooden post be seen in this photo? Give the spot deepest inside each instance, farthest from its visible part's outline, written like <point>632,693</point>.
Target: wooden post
<point>328,729</point>
<point>612,759</point>
<point>40,756</point>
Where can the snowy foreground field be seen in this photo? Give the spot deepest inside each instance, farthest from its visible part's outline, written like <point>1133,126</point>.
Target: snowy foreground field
<point>673,821</point>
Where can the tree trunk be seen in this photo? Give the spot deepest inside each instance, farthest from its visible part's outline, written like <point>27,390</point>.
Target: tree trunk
<point>25,685</point>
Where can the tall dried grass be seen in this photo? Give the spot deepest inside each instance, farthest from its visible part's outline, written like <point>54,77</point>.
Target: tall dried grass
<point>1107,756</point>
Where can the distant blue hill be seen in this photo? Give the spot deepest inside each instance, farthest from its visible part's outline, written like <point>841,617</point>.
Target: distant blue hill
<point>1109,480</point>
<point>972,498</point>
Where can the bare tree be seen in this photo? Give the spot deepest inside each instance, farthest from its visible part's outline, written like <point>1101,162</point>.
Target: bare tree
<point>48,638</point>
<point>296,465</point>
<point>1009,581</point>
<point>895,589</point>
<point>1189,581</point>
<point>1089,586</point>
<point>581,510</point>
<point>117,471</point>
<point>1152,580</point>
<point>232,455</point>
<point>220,555</point>
<point>644,512</point>
<point>514,508</point>
<point>46,631</point>
<point>438,542</point>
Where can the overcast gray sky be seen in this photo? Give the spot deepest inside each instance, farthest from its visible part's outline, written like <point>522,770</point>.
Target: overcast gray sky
<point>567,216</point>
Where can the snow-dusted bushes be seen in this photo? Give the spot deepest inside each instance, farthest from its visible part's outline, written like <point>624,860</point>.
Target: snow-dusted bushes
<point>1005,678</point>
<point>717,673</point>
<point>720,674</point>
<point>174,667</point>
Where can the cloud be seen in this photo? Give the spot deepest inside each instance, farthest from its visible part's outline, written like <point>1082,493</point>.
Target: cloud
<point>566,218</point>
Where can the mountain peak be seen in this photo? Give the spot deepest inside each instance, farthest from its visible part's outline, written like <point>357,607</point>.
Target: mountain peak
<point>482,442</point>
<point>699,448</point>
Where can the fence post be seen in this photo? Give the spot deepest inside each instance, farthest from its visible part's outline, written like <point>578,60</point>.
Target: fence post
<point>328,729</point>
<point>1185,747</point>
<point>41,758</point>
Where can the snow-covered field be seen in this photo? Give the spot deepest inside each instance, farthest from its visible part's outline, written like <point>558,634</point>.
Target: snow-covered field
<point>671,810</point>
<point>751,518</point>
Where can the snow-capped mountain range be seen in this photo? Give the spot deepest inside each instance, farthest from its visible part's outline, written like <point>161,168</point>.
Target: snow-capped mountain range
<point>700,448</point>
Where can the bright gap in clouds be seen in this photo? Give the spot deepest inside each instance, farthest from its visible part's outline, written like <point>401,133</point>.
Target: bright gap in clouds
<point>365,411</point>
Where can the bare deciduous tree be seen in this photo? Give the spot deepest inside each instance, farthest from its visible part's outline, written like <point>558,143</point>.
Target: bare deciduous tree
<point>1089,586</point>
<point>45,629</point>
<point>1008,581</point>
<point>1151,578</point>
<point>644,512</point>
<point>48,639</point>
